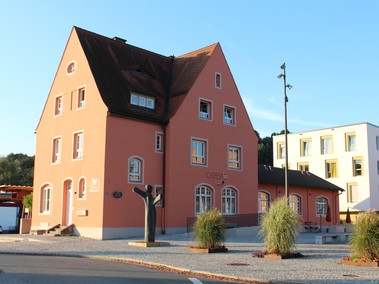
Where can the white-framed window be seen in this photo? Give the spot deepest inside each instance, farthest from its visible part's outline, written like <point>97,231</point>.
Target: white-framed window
<point>78,145</point>
<point>352,192</point>
<point>81,97</point>
<point>350,141</point>
<point>135,170</point>
<point>58,108</point>
<point>71,67</point>
<point>203,199</point>
<point>357,166</point>
<point>321,206</point>
<point>205,109</point>
<point>142,100</point>
<point>330,168</point>
<point>305,147</point>
<point>229,201</point>
<point>158,190</point>
<point>82,188</point>
<point>303,167</point>
<point>46,194</point>
<point>263,204</point>
<point>57,149</point>
<point>218,80</point>
<point>234,157</point>
<point>198,152</point>
<point>229,115</point>
<point>326,145</point>
<point>295,203</point>
<point>281,150</point>
<point>159,142</point>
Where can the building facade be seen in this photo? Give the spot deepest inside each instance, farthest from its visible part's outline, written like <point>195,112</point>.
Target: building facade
<point>118,117</point>
<point>347,156</point>
<point>314,199</point>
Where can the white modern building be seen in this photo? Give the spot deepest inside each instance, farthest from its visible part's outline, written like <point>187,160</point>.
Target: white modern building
<point>347,156</point>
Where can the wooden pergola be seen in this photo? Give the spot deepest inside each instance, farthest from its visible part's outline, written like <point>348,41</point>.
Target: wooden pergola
<point>12,195</point>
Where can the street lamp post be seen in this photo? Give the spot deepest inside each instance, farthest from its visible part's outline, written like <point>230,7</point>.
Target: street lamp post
<point>280,76</point>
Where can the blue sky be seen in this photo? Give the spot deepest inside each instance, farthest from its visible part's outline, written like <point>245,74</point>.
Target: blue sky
<point>331,49</point>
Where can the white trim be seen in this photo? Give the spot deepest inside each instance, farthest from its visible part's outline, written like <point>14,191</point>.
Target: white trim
<point>142,169</point>
<point>234,118</point>
<point>73,148</point>
<point>210,102</point>
<point>73,71</point>
<point>205,154</point>
<point>241,155</point>
<point>52,152</point>
<point>55,105</point>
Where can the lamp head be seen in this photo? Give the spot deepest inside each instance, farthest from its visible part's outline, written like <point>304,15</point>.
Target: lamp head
<point>283,66</point>
<point>280,76</point>
<point>289,87</point>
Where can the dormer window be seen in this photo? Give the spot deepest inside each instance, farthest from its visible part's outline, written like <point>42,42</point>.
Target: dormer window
<point>143,101</point>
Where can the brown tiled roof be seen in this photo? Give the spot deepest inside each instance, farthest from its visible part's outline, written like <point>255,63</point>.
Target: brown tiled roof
<point>272,175</point>
<point>119,69</point>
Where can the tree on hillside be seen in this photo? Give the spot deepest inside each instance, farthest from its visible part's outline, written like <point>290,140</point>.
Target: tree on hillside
<point>17,169</point>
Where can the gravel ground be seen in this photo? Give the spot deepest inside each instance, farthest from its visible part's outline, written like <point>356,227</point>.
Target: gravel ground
<point>320,264</point>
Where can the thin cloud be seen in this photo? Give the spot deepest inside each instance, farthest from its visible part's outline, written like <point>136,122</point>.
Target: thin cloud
<point>273,116</point>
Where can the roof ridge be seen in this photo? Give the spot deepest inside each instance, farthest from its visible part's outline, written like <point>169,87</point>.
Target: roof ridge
<point>209,49</point>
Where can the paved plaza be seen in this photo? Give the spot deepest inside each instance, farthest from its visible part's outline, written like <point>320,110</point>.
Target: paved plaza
<point>320,264</point>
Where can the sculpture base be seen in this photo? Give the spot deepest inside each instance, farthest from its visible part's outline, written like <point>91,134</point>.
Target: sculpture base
<point>148,244</point>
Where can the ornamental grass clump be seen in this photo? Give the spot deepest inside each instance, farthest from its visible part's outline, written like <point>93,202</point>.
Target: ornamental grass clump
<point>365,237</point>
<point>279,228</point>
<point>209,230</point>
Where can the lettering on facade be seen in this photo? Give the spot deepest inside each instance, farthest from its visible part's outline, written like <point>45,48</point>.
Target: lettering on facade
<point>216,176</point>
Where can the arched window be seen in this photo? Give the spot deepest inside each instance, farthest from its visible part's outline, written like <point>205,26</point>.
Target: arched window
<point>46,192</point>
<point>135,170</point>
<point>82,188</point>
<point>295,203</point>
<point>263,204</point>
<point>229,201</point>
<point>203,200</point>
<point>321,206</point>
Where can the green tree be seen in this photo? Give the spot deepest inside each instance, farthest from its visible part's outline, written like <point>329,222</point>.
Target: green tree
<point>265,148</point>
<point>17,169</point>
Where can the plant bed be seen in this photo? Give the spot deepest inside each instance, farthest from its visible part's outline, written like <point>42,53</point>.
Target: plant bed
<point>283,256</point>
<point>264,254</point>
<point>207,250</point>
<point>360,262</point>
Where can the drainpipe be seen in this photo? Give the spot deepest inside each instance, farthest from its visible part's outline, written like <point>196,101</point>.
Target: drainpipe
<point>165,122</point>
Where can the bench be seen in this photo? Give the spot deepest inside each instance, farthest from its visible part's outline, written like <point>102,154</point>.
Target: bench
<point>332,239</point>
<point>311,227</point>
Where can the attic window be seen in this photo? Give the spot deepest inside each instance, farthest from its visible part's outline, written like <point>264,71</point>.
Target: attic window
<point>71,68</point>
<point>143,101</point>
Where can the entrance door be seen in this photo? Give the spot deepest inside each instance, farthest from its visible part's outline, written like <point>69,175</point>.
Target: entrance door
<point>68,206</point>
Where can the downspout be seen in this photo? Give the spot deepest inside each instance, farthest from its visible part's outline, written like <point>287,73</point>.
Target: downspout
<point>165,122</point>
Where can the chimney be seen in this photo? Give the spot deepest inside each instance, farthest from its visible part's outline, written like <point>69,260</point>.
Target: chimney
<point>120,40</point>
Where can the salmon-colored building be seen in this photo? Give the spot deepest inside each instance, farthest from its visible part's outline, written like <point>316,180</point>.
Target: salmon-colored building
<point>118,116</point>
<point>314,199</point>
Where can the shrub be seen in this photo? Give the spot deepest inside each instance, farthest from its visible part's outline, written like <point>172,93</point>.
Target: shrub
<point>279,227</point>
<point>27,201</point>
<point>365,238</point>
<point>209,229</point>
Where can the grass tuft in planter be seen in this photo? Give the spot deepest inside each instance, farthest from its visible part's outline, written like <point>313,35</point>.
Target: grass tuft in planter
<point>209,230</point>
<point>365,238</point>
<point>279,228</point>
